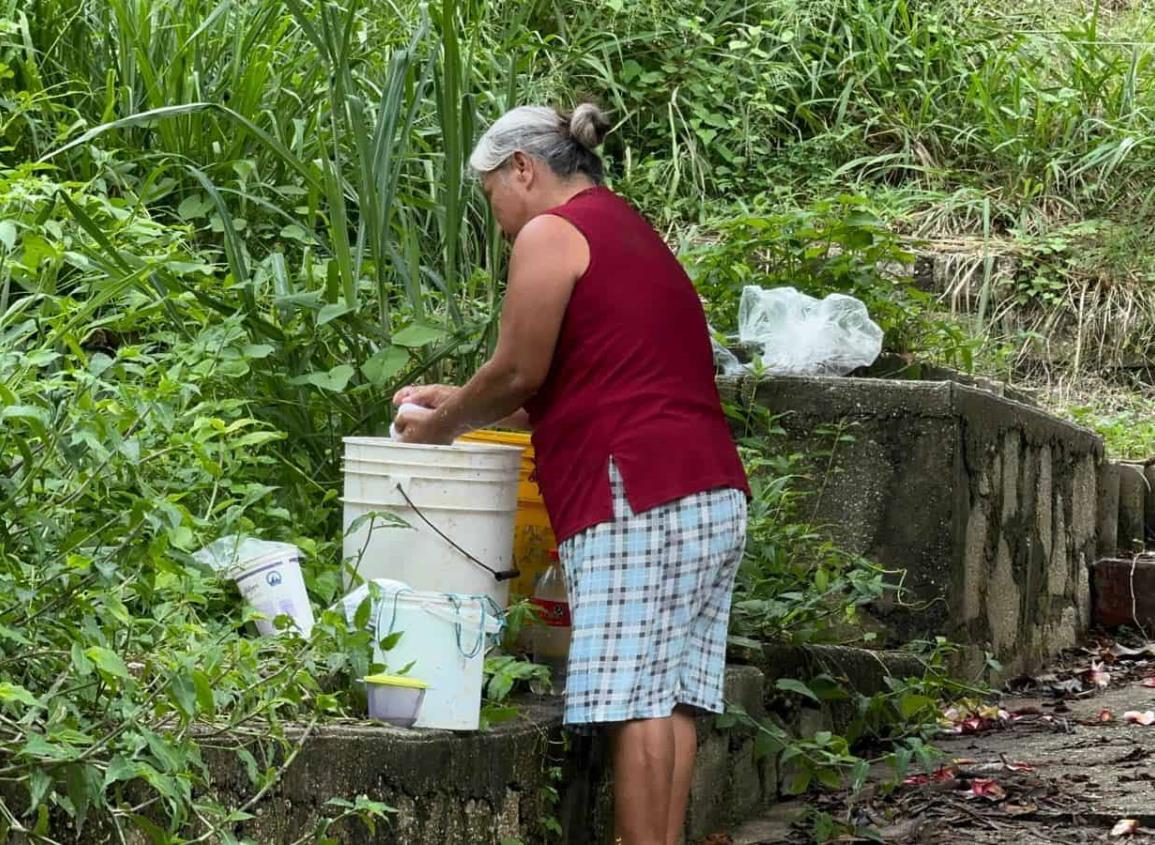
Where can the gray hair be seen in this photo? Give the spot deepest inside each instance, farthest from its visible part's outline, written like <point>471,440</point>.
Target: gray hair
<point>567,142</point>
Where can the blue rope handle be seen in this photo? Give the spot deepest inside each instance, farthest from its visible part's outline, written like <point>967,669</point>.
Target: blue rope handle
<point>487,606</point>
<point>393,619</point>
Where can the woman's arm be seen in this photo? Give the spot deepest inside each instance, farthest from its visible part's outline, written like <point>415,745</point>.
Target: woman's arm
<point>548,258</point>
<point>436,395</point>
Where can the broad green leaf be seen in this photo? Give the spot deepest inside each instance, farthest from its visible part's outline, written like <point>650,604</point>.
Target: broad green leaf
<point>417,335</point>
<point>121,769</point>
<point>17,693</point>
<point>107,661</point>
<point>12,634</point>
<point>797,782</point>
<point>80,661</point>
<point>83,783</point>
<point>32,413</point>
<point>194,206</point>
<point>335,380</point>
<point>332,311</point>
<point>911,704</point>
<point>184,694</point>
<point>794,685</point>
<point>383,365</point>
<point>830,778</point>
<point>38,746</point>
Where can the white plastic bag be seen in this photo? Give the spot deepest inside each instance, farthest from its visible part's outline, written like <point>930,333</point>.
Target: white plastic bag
<point>727,362</point>
<point>801,335</point>
<point>227,556</point>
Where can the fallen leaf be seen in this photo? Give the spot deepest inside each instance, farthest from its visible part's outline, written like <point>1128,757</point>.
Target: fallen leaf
<point>1125,827</point>
<point>1020,809</point>
<point>1148,682</point>
<point>1020,767</point>
<point>974,725</point>
<point>1118,650</point>
<point>942,773</point>
<point>1097,676</point>
<point>1134,717</point>
<point>1105,715</point>
<point>987,788</point>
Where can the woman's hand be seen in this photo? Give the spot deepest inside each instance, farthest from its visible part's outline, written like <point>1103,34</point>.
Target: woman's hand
<point>425,395</point>
<point>423,425</point>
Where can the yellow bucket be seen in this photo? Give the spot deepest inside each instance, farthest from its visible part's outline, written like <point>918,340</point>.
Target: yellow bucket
<point>533,538</point>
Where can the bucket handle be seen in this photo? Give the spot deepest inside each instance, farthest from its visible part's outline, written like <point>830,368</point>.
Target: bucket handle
<point>504,575</point>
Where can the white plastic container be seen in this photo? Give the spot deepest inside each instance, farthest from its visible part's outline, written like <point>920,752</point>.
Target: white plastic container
<point>274,584</point>
<point>395,699</point>
<point>443,642</point>
<point>459,502</point>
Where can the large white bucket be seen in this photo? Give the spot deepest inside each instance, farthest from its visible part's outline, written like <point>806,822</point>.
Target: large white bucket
<point>459,503</point>
<point>443,643</point>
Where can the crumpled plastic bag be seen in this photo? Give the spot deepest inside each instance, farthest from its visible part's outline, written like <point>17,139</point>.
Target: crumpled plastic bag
<point>727,362</point>
<point>802,335</point>
<point>227,555</point>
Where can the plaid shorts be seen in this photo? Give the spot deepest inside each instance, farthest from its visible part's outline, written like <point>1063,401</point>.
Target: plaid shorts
<point>650,596</point>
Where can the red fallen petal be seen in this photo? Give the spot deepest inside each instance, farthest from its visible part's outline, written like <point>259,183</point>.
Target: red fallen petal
<point>975,724</point>
<point>1105,715</point>
<point>942,773</point>
<point>1097,676</point>
<point>1134,717</point>
<point>987,788</point>
<point>1020,767</point>
<point>1148,682</point>
<point>1125,827</point>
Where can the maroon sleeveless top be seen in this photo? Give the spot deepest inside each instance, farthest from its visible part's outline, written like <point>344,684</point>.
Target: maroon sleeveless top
<point>632,379</point>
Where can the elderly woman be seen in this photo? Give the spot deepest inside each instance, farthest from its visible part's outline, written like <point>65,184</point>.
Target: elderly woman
<point>605,354</point>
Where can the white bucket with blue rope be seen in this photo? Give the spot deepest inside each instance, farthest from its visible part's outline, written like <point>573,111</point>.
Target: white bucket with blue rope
<point>444,638</point>
<point>456,504</point>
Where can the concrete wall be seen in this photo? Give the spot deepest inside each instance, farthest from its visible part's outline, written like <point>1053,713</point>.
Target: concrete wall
<point>988,504</point>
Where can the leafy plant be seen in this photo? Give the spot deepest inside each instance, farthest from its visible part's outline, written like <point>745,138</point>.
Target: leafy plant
<point>794,584</point>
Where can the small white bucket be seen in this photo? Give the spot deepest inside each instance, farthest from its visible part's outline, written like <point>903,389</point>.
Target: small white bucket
<point>443,642</point>
<point>274,584</point>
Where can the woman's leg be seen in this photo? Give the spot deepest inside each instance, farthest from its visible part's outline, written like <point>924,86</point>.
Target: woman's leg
<point>643,758</point>
<point>685,750</point>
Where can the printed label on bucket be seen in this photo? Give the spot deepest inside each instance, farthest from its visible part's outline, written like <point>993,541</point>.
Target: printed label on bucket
<point>554,613</point>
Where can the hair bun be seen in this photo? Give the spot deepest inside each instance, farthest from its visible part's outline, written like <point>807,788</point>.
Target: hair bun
<point>588,125</point>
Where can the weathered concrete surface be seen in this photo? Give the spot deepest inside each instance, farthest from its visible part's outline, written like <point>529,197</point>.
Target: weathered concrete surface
<point>1123,592</point>
<point>986,503</point>
<point>1108,510</point>
<point>485,787</point>
<point>1132,507</point>
<point>1149,506</point>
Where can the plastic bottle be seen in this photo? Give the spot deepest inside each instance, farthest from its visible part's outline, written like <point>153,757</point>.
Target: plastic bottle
<point>551,638</point>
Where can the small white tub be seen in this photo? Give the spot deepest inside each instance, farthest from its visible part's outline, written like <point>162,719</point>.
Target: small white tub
<point>395,699</point>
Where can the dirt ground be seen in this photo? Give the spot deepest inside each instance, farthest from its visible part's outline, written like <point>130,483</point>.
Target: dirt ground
<point>1066,764</point>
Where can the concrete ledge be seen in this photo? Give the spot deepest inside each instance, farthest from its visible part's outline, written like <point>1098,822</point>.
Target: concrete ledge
<point>483,788</point>
<point>987,504</point>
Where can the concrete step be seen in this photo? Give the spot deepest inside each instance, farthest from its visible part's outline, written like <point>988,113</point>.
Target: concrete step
<point>1123,592</point>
